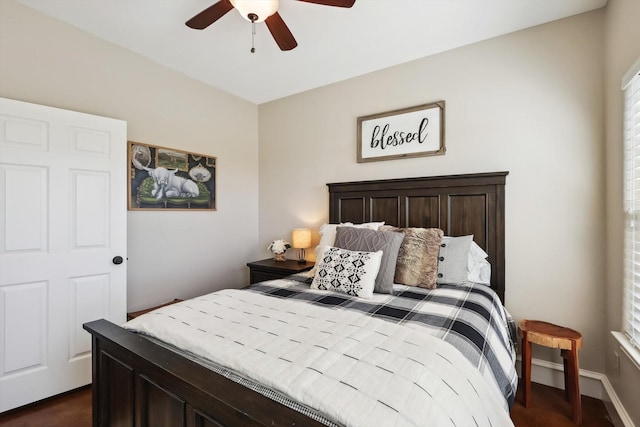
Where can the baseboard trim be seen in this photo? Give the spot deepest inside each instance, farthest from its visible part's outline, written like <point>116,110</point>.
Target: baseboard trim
<point>592,384</point>
<point>613,402</point>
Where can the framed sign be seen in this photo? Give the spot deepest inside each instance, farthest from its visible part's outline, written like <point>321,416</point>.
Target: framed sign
<point>409,132</point>
<point>163,178</point>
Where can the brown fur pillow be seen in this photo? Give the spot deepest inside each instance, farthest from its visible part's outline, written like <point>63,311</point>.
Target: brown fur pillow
<point>417,263</point>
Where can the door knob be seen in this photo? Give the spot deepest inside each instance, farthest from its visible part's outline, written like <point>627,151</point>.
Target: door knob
<point>117,260</point>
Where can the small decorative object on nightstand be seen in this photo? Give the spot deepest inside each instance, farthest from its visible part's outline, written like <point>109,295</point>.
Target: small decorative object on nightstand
<point>554,336</point>
<point>279,248</point>
<point>269,269</point>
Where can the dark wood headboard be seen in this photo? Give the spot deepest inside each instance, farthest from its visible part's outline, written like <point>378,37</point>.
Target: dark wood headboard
<point>457,204</point>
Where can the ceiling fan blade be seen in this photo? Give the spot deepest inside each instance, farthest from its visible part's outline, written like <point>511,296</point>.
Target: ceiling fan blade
<point>280,32</point>
<point>336,3</point>
<point>210,15</point>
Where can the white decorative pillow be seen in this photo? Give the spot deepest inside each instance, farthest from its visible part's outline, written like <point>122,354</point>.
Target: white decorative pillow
<point>350,272</point>
<point>318,252</point>
<point>328,231</point>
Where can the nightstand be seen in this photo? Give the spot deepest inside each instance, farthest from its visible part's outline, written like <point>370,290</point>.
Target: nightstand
<point>270,269</point>
<point>135,314</point>
<point>553,336</point>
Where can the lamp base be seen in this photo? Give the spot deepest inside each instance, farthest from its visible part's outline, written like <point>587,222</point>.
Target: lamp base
<point>302,254</point>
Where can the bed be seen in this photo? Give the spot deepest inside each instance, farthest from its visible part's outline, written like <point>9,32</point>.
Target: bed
<point>141,380</point>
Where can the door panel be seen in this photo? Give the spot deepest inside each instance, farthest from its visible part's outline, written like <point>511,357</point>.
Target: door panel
<point>90,202</point>
<point>89,300</point>
<point>90,142</point>
<point>63,215</point>
<point>25,325</point>
<point>25,218</point>
<point>24,133</point>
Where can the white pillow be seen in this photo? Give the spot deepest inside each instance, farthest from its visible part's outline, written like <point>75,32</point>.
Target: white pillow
<point>478,267</point>
<point>476,253</point>
<point>328,231</point>
<point>481,273</point>
<point>350,272</point>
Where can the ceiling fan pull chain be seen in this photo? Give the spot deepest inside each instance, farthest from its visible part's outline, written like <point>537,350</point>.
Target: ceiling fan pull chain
<point>253,17</point>
<point>253,37</point>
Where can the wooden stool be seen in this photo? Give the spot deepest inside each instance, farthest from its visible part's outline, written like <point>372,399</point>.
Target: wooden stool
<point>569,342</point>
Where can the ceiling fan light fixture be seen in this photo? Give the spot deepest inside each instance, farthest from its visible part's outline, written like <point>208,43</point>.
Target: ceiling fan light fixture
<point>260,8</point>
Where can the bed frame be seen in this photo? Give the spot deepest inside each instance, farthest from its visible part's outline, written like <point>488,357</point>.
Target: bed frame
<point>137,382</point>
<point>457,204</point>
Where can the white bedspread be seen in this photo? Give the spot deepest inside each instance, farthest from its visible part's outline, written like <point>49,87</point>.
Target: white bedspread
<point>355,369</point>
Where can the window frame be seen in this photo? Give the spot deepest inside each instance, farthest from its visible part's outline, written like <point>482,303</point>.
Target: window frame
<point>629,338</point>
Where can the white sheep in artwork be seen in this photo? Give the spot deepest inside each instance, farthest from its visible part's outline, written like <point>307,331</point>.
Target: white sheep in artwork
<point>167,184</point>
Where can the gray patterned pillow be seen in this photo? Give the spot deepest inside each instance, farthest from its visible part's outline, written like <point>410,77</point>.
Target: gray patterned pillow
<point>350,272</point>
<point>359,239</point>
<point>417,263</point>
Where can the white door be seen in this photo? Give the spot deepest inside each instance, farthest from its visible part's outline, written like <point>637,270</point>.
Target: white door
<point>62,222</point>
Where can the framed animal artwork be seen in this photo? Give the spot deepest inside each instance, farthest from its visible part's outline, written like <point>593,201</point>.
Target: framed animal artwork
<point>166,178</point>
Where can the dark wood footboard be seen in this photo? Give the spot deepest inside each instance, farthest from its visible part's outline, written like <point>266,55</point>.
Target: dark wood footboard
<point>137,382</point>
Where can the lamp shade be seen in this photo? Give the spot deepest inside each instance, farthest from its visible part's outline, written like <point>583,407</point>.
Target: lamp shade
<point>261,8</point>
<point>301,238</point>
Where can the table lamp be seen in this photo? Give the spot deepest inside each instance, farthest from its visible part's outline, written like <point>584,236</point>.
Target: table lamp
<point>301,240</point>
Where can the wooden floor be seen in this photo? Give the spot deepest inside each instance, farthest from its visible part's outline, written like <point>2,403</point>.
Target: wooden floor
<point>548,409</point>
<point>72,409</point>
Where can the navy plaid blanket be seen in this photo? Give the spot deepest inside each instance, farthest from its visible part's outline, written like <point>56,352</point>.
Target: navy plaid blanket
<point>470,317</point>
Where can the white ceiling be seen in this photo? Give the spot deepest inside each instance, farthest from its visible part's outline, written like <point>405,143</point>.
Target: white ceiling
<point>333,43</point>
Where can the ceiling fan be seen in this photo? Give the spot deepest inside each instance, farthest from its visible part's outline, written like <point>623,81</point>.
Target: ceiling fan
<point>258,11</point>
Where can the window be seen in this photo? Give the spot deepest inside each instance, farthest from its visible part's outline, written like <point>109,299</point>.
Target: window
<point>631,87</point>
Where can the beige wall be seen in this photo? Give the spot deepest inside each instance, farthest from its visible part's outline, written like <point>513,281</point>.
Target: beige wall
<point>622,33</point>
<point>171,254</point>
<point>530,103</point>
